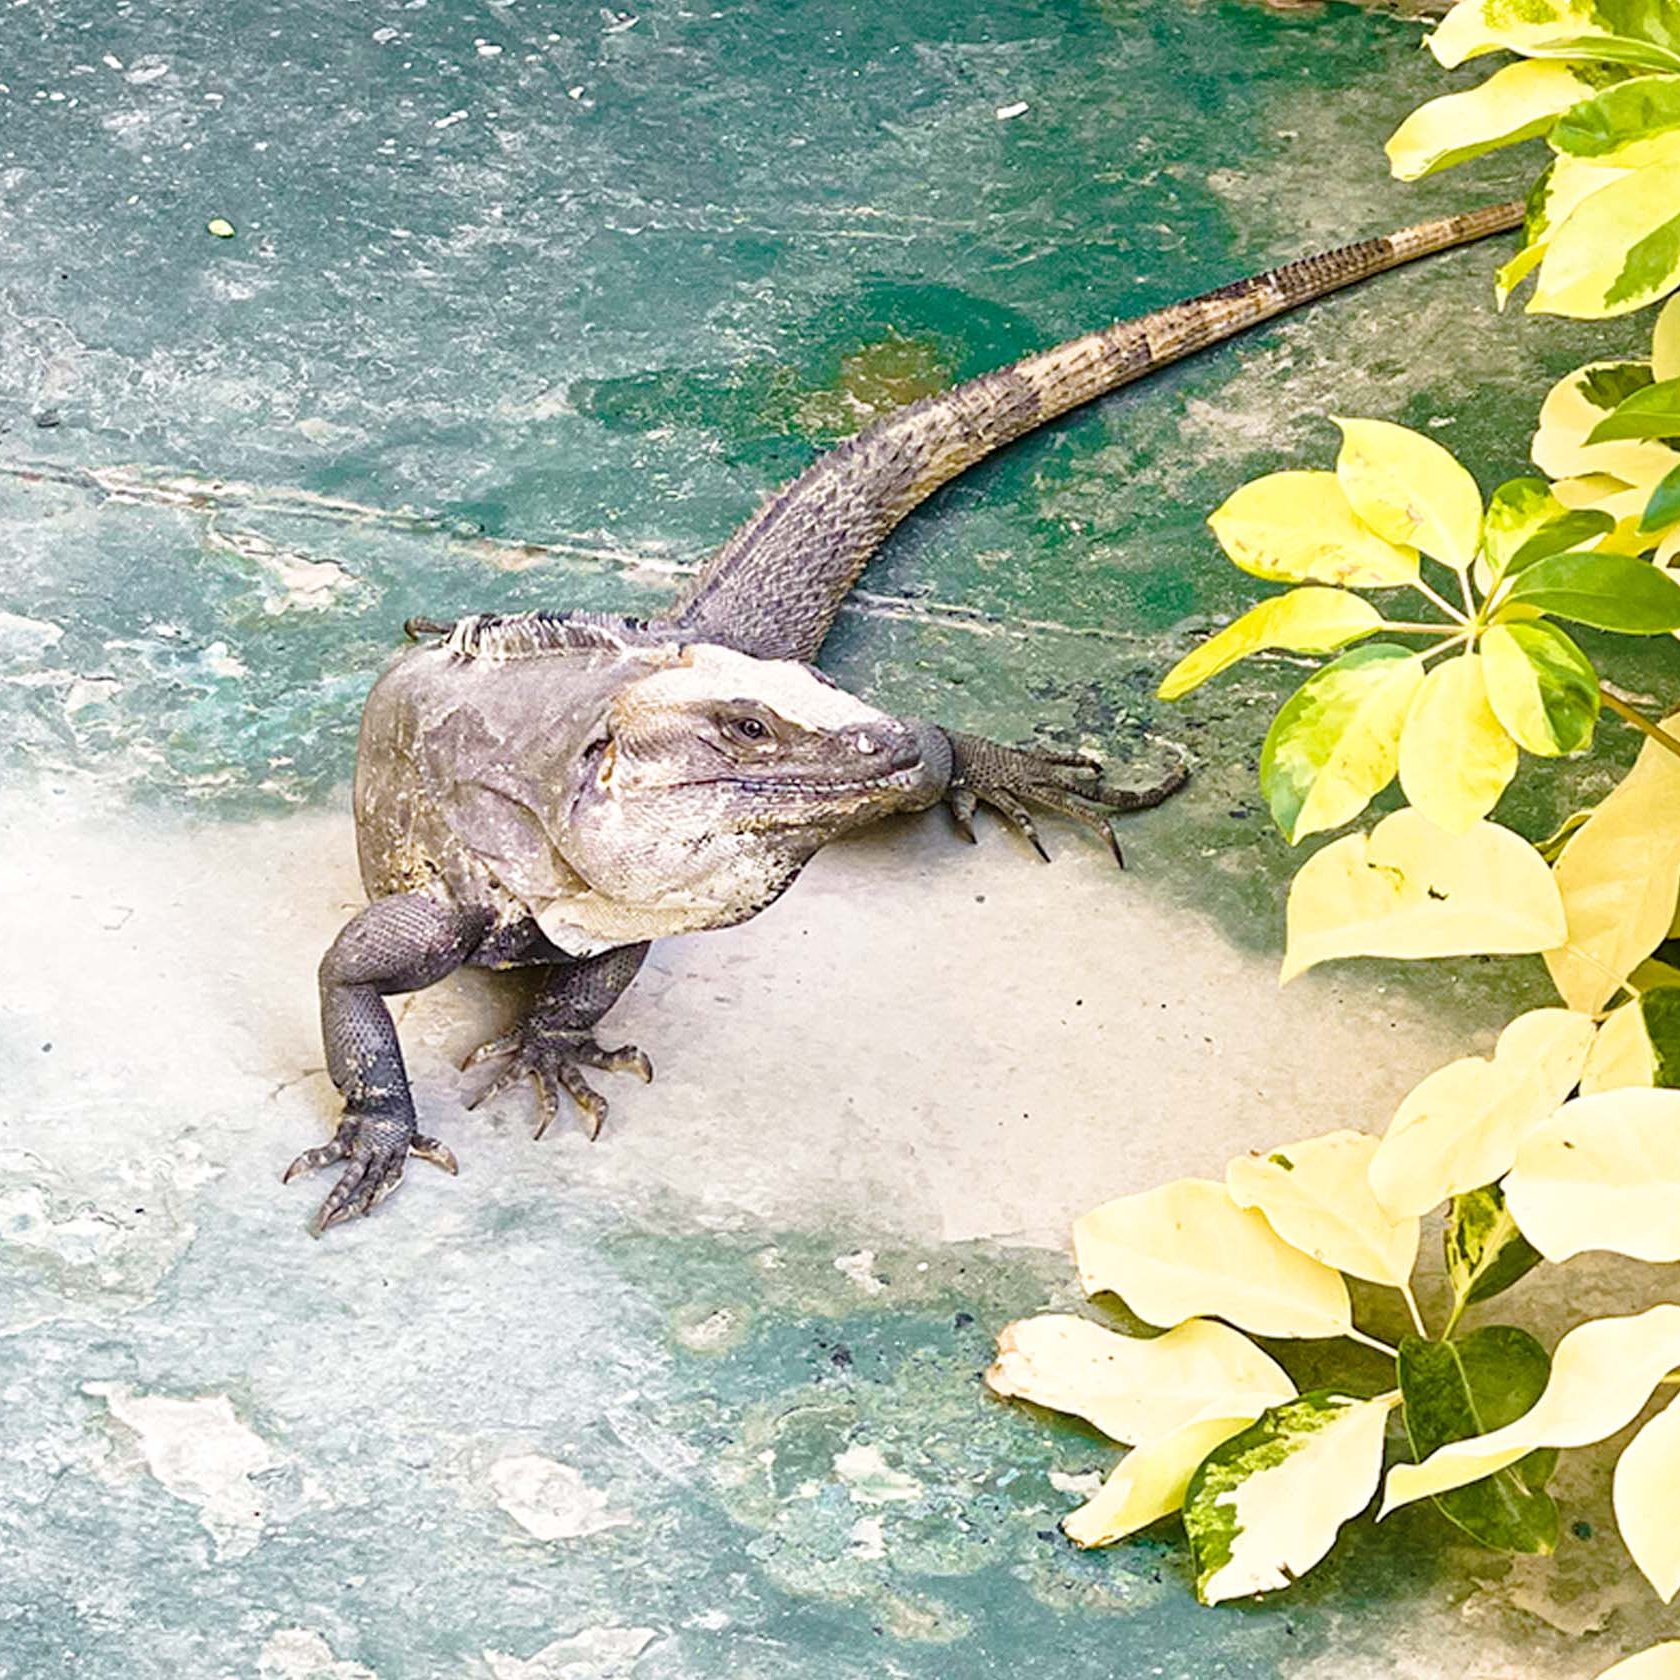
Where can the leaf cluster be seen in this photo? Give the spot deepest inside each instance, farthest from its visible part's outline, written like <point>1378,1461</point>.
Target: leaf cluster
<point>1600,79</point>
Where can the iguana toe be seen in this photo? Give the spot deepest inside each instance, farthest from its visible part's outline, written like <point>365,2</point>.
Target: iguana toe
<point>1009,780</point>
<point>374,1146</point>
<point>552,1059</point>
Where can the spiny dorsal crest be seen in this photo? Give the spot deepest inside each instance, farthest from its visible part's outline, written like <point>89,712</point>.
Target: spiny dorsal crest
<point>503,636</point>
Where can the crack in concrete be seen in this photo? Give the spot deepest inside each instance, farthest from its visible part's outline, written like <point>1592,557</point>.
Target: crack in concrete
<point>142,487</point>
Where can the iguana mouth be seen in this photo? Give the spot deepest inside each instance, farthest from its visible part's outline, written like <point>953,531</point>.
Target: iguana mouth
<point>904,776</point>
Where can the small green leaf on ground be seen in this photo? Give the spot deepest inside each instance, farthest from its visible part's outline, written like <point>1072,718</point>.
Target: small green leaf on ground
<point>1481,1382</point>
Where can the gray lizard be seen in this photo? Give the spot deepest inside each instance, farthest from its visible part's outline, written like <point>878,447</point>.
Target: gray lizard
<point>555,791</point>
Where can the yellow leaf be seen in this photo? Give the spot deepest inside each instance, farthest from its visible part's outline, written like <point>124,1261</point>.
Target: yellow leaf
<point>1512,104</point>
<point>1305,620</point>
<point>1621,1055</point>
<point>1616,251</point>
<point>1661,1662</point>
<point>1316,1194</point>
<point>1602,1173</point>
<point>1619,877</point>
<point>1151,1480</point>
<point>1665,342</point>
<point>1455,755</point>
<point>1186,1250</point>
<point>1299,527</point>
<point>1410,490</point>
<point>1460,1127</point>
<point>1646,1494</point>
<point>1285,1514</point>
<point>1409,889</point>
<point>1564,184</point>
<point>1603,1372</point>
<point>1134,1388</point>
<point>1544,29</point>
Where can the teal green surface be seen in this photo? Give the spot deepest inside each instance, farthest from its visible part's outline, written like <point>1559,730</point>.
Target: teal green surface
<point>528,305</point>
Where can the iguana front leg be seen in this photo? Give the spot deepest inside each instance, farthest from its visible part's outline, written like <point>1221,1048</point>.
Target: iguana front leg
<point>556,1040</point>
<point>397,944</point>
<point>1012,779</point>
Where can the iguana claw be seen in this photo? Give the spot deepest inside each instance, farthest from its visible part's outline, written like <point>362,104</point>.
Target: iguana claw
<point>551,1058</point>
<point>1010,779</point>
<point>375,1147</point>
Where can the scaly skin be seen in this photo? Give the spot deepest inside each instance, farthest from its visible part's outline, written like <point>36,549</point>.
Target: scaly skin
<point>554,791</point>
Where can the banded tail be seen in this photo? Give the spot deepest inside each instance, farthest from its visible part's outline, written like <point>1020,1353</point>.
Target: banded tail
<point>773,589</point>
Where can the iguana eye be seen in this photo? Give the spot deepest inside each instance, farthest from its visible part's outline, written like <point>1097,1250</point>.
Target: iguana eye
<point>749,730</point>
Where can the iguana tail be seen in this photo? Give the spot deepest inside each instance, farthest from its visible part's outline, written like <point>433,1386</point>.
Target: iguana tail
<point>773,589</point>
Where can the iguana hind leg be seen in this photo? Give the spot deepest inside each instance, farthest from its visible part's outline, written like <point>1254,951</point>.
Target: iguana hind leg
<point>556,1039</point>
<point>397,944</point>
<point>1011,780</point>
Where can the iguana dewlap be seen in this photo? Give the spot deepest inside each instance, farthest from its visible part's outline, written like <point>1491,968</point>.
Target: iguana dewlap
<point>556,791</point>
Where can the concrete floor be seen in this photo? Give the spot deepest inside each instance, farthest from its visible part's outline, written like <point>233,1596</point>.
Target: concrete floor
<point>702,1398</point>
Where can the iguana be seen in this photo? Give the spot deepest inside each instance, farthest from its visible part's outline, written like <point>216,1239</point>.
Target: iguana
<point>555,791</point>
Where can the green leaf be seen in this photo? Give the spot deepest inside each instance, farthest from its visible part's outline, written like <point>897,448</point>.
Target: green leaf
<point>1525,522</point>
<point>1334,744</point>
<point>1515,103</point>
<point>1541,687</point>
<point>1266,1505</point>
<point>1309,620</point>
<point>1653,412</point>
<point>1607,591</point>
<point>1485,1251</point>
<point>1663,509</point>
<point>1455,1390</point>
<point>1619,116</point>
<point>1660,1010</point>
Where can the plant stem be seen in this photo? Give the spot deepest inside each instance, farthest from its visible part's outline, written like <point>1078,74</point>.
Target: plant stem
<point>1464,589</point>
<point>1421,628</point>
<point>1440,601</point>
<point>1460,1302</point>
<point>1412,1307</point>
<point>1372,1342</point>
<point>1639,721</point>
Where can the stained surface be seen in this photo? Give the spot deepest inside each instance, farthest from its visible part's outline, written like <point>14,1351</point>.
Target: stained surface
<point>527,305</point>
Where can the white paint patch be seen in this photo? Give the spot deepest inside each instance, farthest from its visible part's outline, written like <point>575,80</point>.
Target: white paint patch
<point>90,691</point>
<point>302,1654</point>
<point>22,637</point>
<point>1084,1484</point>
<point>597,1653</point>
<point>304,584</point>
<point>872,1480</point>
<point>200,1451</point>
<point>859,1268</point>
<point>865,1541</point>
<point>551,1500</point>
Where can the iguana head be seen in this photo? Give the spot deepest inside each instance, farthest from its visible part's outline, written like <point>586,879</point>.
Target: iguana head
<point>720,775</point>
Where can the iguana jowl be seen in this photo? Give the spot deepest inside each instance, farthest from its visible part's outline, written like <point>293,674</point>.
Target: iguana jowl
<point>556,791</point>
